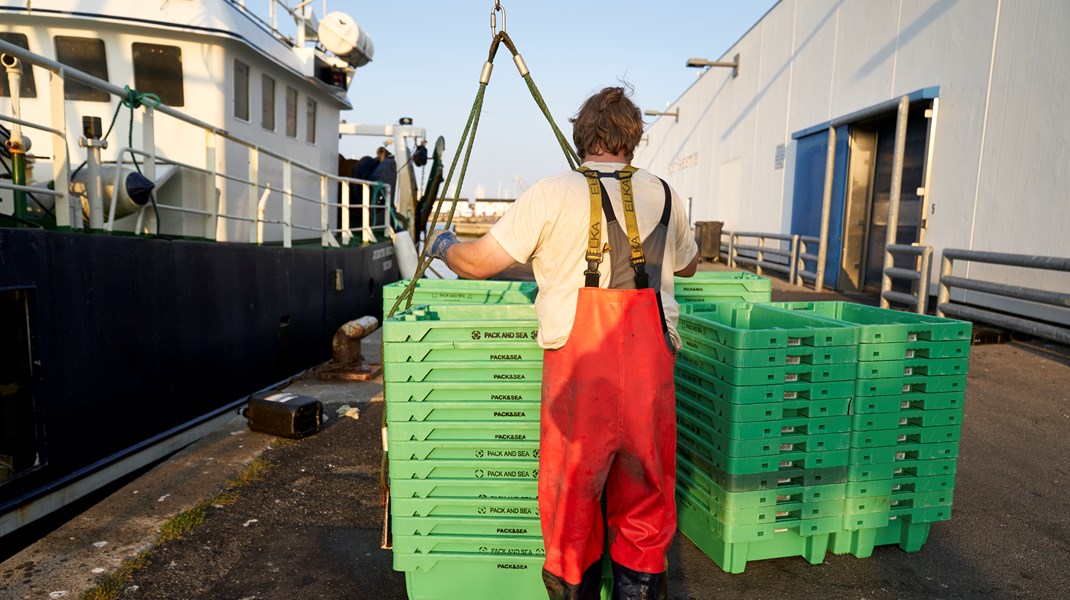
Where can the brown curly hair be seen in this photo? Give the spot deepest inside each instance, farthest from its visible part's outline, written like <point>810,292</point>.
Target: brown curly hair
<point>609,121</point>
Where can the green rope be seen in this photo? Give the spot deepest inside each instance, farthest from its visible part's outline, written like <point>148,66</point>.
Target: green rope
<point>466,143</point>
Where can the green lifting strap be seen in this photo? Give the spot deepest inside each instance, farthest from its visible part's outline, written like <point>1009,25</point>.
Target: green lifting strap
<point>464,146</point>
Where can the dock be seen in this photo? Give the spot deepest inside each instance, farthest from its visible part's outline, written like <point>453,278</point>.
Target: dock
<point>302,519</point>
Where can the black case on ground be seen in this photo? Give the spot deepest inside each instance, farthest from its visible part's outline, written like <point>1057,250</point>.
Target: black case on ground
<point>283,414</point>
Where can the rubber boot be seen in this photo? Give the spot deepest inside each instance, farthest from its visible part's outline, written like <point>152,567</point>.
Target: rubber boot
<point>589,588</point>
<point>633,585</point>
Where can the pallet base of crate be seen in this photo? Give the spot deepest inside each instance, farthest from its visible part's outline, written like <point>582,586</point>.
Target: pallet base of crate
<point>733,558</point>
<point>908,535</point>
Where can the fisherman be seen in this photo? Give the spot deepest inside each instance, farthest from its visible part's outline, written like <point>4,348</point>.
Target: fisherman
<point>608,421</point>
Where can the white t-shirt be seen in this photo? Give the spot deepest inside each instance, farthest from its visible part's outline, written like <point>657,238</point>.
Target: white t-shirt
<point>548,224</point>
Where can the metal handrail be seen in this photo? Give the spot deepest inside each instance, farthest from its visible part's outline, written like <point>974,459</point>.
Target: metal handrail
<point>62,72</point>
<point>920,276</point>
<point>801,274</point>
<point>1060,300</point>
<point>758,261</point>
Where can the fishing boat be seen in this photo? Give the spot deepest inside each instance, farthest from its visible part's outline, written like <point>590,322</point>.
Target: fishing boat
<point>174,231</point>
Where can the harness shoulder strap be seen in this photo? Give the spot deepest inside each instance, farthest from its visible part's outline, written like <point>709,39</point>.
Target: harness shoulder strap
<point>594,233</point>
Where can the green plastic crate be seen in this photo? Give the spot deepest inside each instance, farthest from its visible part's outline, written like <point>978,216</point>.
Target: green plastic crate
<point>937,350</point>
<point>733,557</point>
<point>502,352</point>
<point>909,536</point>
<point>746,465</point>
<point>464,469</point>
<point>749,326</point>
<point>463,392</point>
<point>722,281</point>
<point>700,419</point>
<point>937,366</point>
<point>905,468</point>
<point>769,357</point>
<point>930,483</point>
<point>742,394</point>
<point>716,297</point>
<point>931,514</point>
<point>731,500</point>
<point>458,450</point>
<point>489,325</point>
<point>765,411</point>
<point>438,577</point>
<point>929,435</point>
<point>934,401</point>
<point>470,526</point>
<point>464,431</point>
<point>767,446</point>
<point>440,372</point>
<point>466,544</point>
<point>459,488</point>
<point>765,375</point>
<point>906,500</point>
<point>886,487</point>
<point>882,325</point>
<point>495,508</point>
<point>881,369</point>
<point>461,291</point>
<point>497,412</point>
<point>930,451</point>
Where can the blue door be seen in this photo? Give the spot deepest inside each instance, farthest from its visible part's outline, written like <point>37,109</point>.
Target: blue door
<point>810,156</point>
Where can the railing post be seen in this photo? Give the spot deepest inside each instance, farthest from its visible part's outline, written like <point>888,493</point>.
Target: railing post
<point>923,283</point>
<point>895,193</point>
<point>256,227</point>
<point>794,260</point>
<point>366,213</point>
<point>66,216</point>
<point>732,250</point>
<point>347,235</point>
<point>148,142</point>
<point>287,204</point>
<point>325,222</point>
<point>944,295</point>
<point>761,255</point>
<point>826,209</point>
<point>211,200</point>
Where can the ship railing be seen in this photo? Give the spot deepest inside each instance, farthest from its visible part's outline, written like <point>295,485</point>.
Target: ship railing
<point>69,213</point>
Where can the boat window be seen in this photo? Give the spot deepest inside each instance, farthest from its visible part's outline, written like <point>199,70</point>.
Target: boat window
<point>241,90</point>
<point>19,448</point>
<point>310,122</point>
<point>28,89</point>
<point>291,112</point>
<point>86,55</point>
<point>267,103</point>
<point>158,70</point>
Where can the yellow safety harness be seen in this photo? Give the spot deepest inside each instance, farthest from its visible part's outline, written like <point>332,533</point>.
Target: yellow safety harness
<point>594,234</point>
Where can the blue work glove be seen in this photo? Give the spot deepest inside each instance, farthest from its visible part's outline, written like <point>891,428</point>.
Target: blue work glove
<point>439,242</point>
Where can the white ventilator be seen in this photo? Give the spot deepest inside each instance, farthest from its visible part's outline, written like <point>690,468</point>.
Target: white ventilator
<point>341,35</point>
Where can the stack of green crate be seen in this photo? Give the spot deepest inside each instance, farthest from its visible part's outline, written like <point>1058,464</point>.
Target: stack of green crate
<point>722,286</point>
<point>763,431</point>
<point>906,424</point>
<point>463,384</point>
<point>460,291</point>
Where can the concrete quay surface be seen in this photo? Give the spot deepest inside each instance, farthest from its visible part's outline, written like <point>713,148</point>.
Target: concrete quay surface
<point>311,526</point>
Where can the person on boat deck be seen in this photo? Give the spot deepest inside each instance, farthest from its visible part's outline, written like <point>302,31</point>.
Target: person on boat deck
<point>608,329</point>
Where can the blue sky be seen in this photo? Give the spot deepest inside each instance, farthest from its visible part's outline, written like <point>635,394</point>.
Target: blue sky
<point>428,57</point>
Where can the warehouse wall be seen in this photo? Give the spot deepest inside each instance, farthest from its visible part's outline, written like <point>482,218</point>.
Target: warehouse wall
<point>999,179</point>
